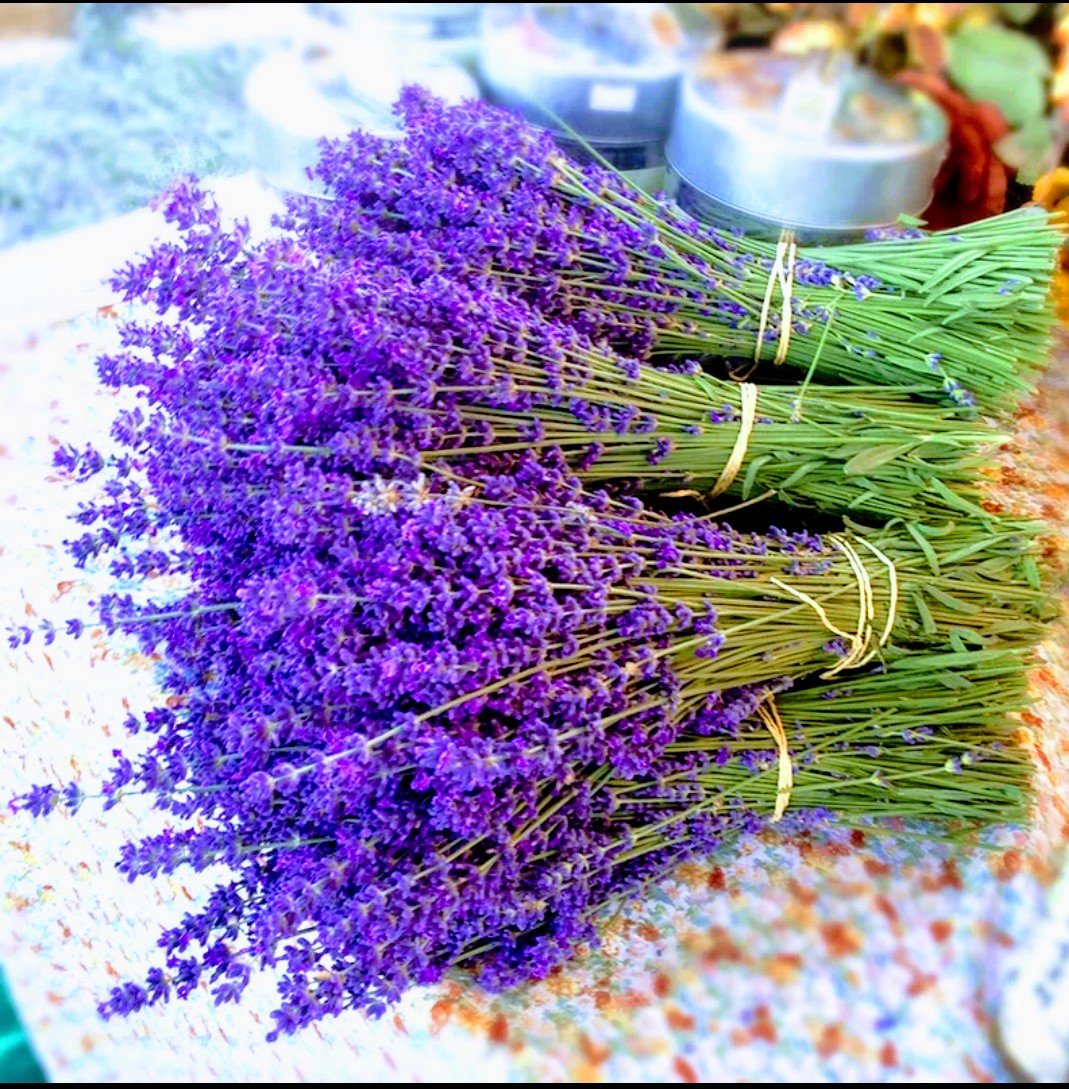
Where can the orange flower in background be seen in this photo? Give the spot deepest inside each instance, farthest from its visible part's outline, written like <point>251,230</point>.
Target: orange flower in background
<point>972,181</point>
<point>1052,192</point>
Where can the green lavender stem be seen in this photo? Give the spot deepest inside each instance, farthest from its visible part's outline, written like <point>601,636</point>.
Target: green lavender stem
<point>869,450</point>
<point>933,738</point>
<point>965,311</point>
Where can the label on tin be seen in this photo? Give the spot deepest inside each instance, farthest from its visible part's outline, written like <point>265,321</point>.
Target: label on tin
<point>812,99</point>
<point>613,97</point>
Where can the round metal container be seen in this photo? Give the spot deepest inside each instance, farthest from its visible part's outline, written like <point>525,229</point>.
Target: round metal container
<point>295,98</point>
<point>608,72</point>
<point>762,140</point>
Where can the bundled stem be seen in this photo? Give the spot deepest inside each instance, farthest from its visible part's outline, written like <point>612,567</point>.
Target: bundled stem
<point>868,450</point>
<point>933,738</point>
<point>964,313</point>
<point>472,191</point>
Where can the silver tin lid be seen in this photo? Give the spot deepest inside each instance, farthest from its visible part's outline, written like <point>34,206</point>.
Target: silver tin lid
<point>610,72</point>
<point>812,143</point>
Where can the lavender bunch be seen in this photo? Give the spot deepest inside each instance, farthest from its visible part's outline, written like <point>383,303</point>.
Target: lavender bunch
<point>509,613</point>
<point>404,717</point>
<point>367,360</point>
<point>479,194</point>
<point>369,849</point>
<point>429,714</point>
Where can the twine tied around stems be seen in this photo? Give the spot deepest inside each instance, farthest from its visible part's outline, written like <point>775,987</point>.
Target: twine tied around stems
<point>770,716</point>
<point>748,416</point>
<point>781,273</point>
<point>861,649</point>
<point>748,394</point>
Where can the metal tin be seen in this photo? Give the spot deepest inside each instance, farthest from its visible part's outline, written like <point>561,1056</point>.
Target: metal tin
<point>297,97</point>
<point>748,149</point>
<point>599,70</point>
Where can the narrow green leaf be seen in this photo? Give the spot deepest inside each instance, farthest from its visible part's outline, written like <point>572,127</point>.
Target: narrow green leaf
<point>953,680</point>
<point>752,470</point>
<point>875,456</point>
<point>925,546</point>
<point>928,624</point>
<point>1003,66</point>
<point>954,604</point>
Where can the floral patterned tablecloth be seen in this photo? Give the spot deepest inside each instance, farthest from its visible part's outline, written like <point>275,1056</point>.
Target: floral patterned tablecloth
<point>870,957</point>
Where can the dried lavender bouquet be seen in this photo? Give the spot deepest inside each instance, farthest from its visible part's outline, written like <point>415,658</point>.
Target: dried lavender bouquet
<point>281,341</point>
<point>478,193</point>
<point>430,726</point>
<point>427,713</point>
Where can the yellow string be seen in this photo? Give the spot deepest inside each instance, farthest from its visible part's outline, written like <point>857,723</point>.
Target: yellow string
<point>892,578</point>
<point>787,288</point>
<point>860,643</point>
<point>862,639</point>
<point>782,274</point>
<point>815,606</point>
<point>748,411</point>
<point>770,716</point>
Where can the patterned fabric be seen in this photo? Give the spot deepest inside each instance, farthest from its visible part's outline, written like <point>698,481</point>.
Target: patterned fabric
<point>875,956</point>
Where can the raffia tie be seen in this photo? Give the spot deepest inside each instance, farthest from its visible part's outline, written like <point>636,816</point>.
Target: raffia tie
<point>781,274</point>
<point>748,394</point>
<point>748,417</point>
<point>770,716</point>
<point>863,644</point>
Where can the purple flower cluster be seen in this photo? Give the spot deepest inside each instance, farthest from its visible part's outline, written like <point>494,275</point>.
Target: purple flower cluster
<point>394,706</point>
<point>480,202</point>
<point>400,696</point>
<point>395,700</point>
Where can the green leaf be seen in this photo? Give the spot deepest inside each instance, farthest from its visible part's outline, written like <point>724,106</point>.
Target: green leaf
<point>922,543</point>
<point>1003,66</point>
<point>955,605</point>
<point>874,457</point>
<point>1030,570</point>
<point>935,448</point>
<point>800,473</point>
<point>928,624</point>
<point>751,474</point>
<point>952,680</point>
<point>1031,150</point>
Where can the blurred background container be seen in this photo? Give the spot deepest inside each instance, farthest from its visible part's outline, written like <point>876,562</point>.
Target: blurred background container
<point>606,73</point>
<point>346,75</point>
<point>101,105</point>
<point>818,143</point>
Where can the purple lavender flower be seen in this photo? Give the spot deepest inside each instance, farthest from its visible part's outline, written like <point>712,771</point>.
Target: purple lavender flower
<point>404,692</point>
